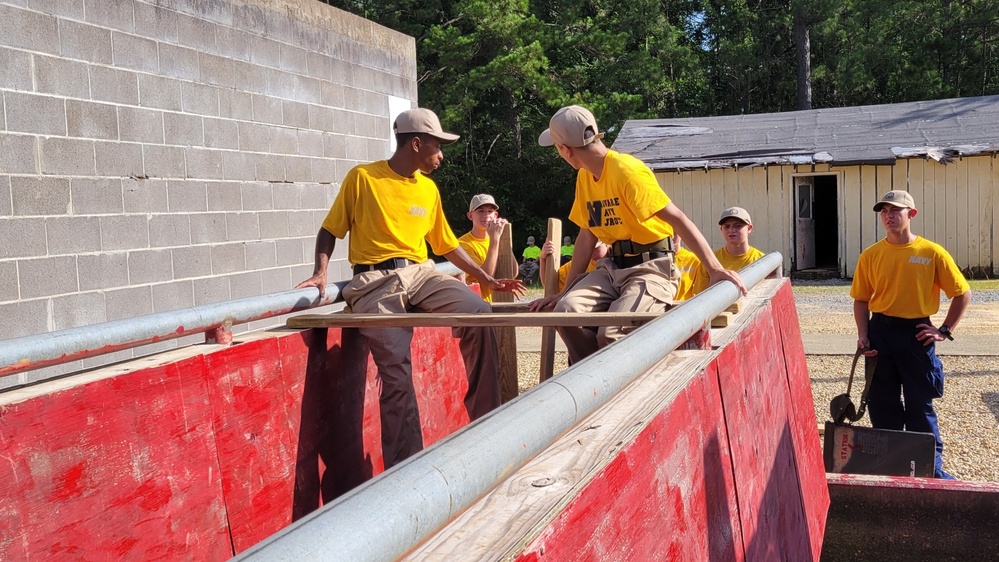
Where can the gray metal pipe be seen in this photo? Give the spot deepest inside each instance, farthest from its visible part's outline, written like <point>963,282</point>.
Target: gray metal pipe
<point>393,512</point>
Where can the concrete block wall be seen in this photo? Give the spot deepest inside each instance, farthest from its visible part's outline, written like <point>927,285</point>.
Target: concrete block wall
<point>161,154</point>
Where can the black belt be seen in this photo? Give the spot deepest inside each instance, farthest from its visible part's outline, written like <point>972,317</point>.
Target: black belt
<point>896,322</point>
<point>392,263</point>
<point>629,261</point>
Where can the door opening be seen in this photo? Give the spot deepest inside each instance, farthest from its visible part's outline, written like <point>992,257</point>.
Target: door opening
<point>816,231</point>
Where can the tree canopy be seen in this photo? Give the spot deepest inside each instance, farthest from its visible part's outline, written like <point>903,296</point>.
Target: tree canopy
<point>496,70</point>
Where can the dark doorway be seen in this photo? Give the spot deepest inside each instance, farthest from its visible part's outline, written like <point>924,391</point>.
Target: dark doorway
<point>826,223</point>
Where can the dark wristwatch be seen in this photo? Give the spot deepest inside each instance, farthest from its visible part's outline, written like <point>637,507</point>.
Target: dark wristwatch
<point>945,332</point>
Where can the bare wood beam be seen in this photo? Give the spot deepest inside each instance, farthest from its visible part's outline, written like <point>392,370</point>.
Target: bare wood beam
<point>550,276</point>
<point>416,319</point>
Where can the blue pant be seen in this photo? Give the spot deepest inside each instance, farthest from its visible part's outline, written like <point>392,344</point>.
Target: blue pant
<point>908,377</point>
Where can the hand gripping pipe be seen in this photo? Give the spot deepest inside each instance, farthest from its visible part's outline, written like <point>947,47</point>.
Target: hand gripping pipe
<point>387,516</point>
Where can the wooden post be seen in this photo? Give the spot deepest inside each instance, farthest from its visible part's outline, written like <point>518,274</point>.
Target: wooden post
<point>506,268</point>
<point>550,276</point>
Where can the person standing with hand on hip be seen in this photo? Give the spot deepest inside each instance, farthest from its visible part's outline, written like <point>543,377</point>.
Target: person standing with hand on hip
<point>896,288</point>
<point>392,210</point>
<point>619,203</point>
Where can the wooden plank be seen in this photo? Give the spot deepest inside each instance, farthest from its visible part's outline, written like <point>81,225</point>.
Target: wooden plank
<point>853,217</point>
<point>506,268</point>
<point>948,206</point>
<point>722,320</point>
<point>415,319</point>
<point>988,221</point>
<point>972,207</point>
<point>869,196</point>
<point>960,202</point>
<point>781,218</point>
<point>550,275</point>
<point>762,227</point>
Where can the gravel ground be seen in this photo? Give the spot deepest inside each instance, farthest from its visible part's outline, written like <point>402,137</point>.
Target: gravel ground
<point>968,412</point>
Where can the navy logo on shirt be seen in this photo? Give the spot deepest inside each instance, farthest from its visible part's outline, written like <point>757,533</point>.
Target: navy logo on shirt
<point>603,212</point>
<point>920,261</point>
<point>417,211</point>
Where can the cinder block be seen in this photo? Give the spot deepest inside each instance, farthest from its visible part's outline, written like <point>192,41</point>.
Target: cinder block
<point>140,125</point>
<point>239,166</point>
<point>73,235</point>
<point>96,196</point>
<point>187,196</point>
<point>54,75</point>
<point>81,309</point>
<point>8,282</point>
<point>295,114</point>
<point>308,90</point>
<point>344,121</point>
<point>179,62</point>
<point>91,120</point>
<point>21,238</point>
<point>85,42</point>
<point>37,195</point>
<point>134,52</point>
<point>102,271</point>
<point>163,161</point>
<point>260,254</point>
<point>145,195</point>
<point>281,84</point>
<point>15,69</point>
<point>378,149</point>
<point>335,145</point>
<point>28,30</point>
<point>267,109</point>
<point>215,70</point>
<point>200,99</point>
<point>245,285</point>
<point>128,303</point>
<point>256,196</point>
<point>192,261</point>
<point>322,118</point>
<point>273,225</point>
<point>287,196</point>
<point>314,197</point>
<point>197,33</point>
<point>225,196</point>
<point>364,77</point>
<point>236,105</point>
<point>331,93</point>
<point>124,232</point>
<point>264,51</point>
<point>67,156</point>
<point>297,169</point>
<point>211,290</point>
<point>275,280</point>
<point>149,266</point>
<point>182,129</point>
<point>324,170</point>
<point>159,92</point>
<point>208,228</point>
<point>121,159</point>
<point>18,154</point>
<point>6,209</point>
<point>169,230</point>
<point>249,77</point>
<point>357,148</point>
<point>204,164</point>
<point>233,43</point>
<point>310,143</point>
<point>114,85</point>
<point>44,277</point>
<point>30,113</point>
<point>254,137</point>
<point>345,166</point>
<point>270,168</point>
<point>320,66</point>
<point>173,296</point>
<point>227,258</point>
<point>290,251</point>
<point>66,8</point>
<point>155,22</point>
<point>304,223</point>
<point>221,133</point>
<point>242,226</point>
<point>24,318</point>
<point>116,14</point>
<point>294,59</point>
<point>284,140</point>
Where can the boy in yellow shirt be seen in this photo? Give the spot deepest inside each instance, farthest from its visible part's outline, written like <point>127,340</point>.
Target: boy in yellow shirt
<point>482,242</point>
<point>599,253</point>
<point>735,225</point>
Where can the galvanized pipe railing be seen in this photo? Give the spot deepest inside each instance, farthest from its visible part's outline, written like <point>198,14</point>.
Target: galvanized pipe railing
<point>395,511</point>
<point>216,320</point>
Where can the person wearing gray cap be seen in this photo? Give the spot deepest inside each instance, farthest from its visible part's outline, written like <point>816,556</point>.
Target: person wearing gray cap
<point>735,225</point>
<point>529,267</point>
<point>392,210</point>
<point>618,202</point>
<point>896,288</point>
<point>482,242</point>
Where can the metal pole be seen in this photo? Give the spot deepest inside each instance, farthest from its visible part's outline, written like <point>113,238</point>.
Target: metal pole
<point>393,512</point>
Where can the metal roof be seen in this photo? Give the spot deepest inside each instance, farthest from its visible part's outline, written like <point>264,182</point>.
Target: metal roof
<point>873,134</point>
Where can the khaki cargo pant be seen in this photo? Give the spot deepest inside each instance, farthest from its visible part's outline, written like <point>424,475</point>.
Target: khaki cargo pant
<point>647,287</point>
<point>421,288</point>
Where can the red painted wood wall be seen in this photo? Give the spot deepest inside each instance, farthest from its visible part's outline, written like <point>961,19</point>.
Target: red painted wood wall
<point>202,457</point>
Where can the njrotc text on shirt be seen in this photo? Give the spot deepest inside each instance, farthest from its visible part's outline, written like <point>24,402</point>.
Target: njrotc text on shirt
<point>603,212</point>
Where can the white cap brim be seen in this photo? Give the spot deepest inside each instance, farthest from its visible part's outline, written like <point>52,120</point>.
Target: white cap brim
<point>545,139</point>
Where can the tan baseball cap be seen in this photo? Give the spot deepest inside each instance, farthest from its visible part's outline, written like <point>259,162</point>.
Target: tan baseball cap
<point>572,126</point>
<point>480,200</point>
<point>737,212</point>
<point>896,198</point>
<point>422,120</point>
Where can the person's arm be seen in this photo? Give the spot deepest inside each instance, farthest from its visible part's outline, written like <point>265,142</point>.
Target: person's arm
<point>862,317</point>
<point>696,243</point>
<point>585,243</point>
<point>459,258</point>
<point>325,242</point>
<point>955,312</point>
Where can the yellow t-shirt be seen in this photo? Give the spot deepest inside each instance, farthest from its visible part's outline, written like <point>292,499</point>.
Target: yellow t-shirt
<point>623,203</point>
<point>687,266</point>
<point>389,216</point>
<point>476,249</point>
<point>728,261</point>
<point>563,272</point>
<point>905,280</point>
<point>532,252</point>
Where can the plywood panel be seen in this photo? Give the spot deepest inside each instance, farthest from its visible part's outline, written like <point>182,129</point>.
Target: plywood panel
<point>958,200</point>
<point>972,208</point>
<point>945,206</point>
<point>869,196</point>
<point>852,217</point>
